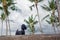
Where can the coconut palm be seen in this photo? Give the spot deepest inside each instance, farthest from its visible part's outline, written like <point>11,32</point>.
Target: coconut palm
<point>51,20</point>
<point>31,22</point>
<point>7,5</point>
<point>51,8</point>
<point>2,19</point>
<point>36,5</point>
<point>58,9</point>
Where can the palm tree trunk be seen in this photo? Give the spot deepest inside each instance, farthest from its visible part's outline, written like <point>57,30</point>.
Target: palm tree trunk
<point>1,27</point>
<point>6,27</point>
<point>58,9</point>
<point>53,23</point>
<point>54,27</point>
<point>6,12</point>
<point>38,16</point>
<point>9,26</point>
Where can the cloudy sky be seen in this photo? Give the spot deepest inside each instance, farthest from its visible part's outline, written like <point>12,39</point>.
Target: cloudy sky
<point>24,13</point>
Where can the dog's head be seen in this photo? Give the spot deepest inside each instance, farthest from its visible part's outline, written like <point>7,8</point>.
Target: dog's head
<point>23,27</point>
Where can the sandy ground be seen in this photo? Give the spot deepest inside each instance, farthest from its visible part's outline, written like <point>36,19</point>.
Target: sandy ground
<point>32,37</point>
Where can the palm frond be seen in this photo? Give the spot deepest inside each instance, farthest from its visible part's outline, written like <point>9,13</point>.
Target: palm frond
<point>30,19</point>
<point>9,4</point>
<point>13,7</point>
<point>31,6</point>
<point>31,22</point>
<point>35,22</point>
<point>31,0</point>
<point>26,21</point>
<point>31,16</point>
<point>40,0</point>
<point>48,22</point>
<point>58,24</point>
<point>52,19</point>
<point>45,17</point>
<point>36,0</point>
<point>11,20</point>
<point>3,16</point>
<point>1,8</point>
<point>45,7</point>
<point>52,5</point>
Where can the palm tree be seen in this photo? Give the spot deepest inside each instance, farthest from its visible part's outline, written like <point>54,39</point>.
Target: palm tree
<point>58,9</point>
<point>6,13</point>
<point>7,5</point>
<point>36,4</point>
<point>51,20</point>
<point>2,19</point>
<point>51,7</point>
<point>31,22</point>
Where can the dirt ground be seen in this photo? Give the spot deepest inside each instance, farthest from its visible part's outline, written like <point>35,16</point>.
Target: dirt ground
<point>32,37</point>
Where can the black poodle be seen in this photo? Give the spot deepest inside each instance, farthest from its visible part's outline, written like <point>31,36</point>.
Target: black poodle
<point>22,32</point>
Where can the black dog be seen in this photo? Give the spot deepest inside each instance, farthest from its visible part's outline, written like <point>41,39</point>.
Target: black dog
<point>22,32</point>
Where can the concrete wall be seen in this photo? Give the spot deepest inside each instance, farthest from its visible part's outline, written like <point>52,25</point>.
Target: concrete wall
<point>31,37</point>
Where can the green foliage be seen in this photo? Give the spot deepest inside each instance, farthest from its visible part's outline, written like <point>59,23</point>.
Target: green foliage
<point>1,8</point>
<point>45,7</point>
<point>11,5</point>
<point>31,22</point>
<point>31,6</point>
<point>40,0</point>
<point>45,17</point>
<point>36,0</point>
<point>52,19</point>
<point>10,2</point>
<point>13,8</point>
<point>50,7</point>
<point>49,22</point>
<point>32,0</point>
<point>26,21</point>
<point>2,16</point>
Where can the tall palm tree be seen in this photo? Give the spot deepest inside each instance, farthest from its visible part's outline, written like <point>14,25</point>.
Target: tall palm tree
<point>31,22</point>
<point>58,9</point>
<point>2,19</point>
<point>51,8</point>
<point>7,5</point>
<point>36,5</point>
<point>51,20</point>
<point>4,3</point>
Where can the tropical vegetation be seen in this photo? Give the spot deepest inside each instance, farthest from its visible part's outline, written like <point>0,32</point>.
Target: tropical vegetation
<point>53,19</point>
<point>6,6</point>
<point>53,6</point>
<point>36,5</point>
<point>31,23</point>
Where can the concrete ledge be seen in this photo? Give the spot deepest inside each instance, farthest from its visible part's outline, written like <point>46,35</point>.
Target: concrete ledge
<point>32,37</point>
